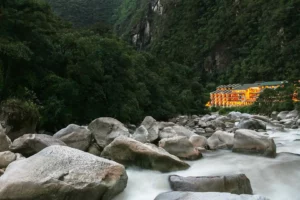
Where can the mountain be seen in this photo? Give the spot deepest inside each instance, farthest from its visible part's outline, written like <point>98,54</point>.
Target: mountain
<point>228,41</point>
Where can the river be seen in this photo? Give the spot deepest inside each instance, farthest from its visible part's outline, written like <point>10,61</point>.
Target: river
<point>276,178</point>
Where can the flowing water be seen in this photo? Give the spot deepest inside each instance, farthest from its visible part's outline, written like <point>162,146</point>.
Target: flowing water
<point>276,178</point>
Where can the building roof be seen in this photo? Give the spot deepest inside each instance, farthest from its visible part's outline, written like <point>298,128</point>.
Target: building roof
<point>246,86</point>
<point>270,83</point>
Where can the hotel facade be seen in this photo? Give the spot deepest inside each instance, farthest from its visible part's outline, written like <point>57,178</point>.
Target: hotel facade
<point>236,95</point>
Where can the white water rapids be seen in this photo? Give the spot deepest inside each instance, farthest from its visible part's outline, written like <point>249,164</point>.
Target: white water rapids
<point>276,178</point>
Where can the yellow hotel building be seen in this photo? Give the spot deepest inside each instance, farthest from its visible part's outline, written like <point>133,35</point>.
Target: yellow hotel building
<point>236,95</point>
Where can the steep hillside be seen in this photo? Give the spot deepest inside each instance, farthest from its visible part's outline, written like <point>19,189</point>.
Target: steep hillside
<point>228,41</point>
<point>85,12</point>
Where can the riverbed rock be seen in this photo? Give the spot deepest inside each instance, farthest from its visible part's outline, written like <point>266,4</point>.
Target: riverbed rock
<point>200,131</point>
<point>252,124</point>
<point>234,116</point>
<point>274,115</point>
<point>60,173</point>
<point>6,158</point>
<point>181,147</point>
<point>262,118</point>
<point>106,129</point>
<point>30,144</point>
<point>252,142</point>
<point>217,123</point>
<point>282,115</point>
<point>141,134</point>
<point>235,184</point>
<point>220,140</point>
<point>152,127</point>
<point>198,141</point>
<point>175,195</point>
<point>75,136</point>
<point>182,131</point>
<point>167,132</point>
<point>131,152</point>
<point>202,124</point>
<point>5,142</point>
<point>292,114</point>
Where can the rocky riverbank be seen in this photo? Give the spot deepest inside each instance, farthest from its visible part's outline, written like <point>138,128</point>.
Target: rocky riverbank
<point>89,161</point>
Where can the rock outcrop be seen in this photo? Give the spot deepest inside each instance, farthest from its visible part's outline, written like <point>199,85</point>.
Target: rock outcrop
<point>6,158</point>
<point>141,134</point>
<point>235,184</point>
<point>60,173</point>
<point>252,142</point>
<point>106,129</point>
<point>75,136</point>
<point>181,147</point>
<point>131,152</point>
<point>30,144</point>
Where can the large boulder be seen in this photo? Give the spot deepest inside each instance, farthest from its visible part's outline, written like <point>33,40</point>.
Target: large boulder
<point>218,123</point>
<point>60,173</point>
<point>181,147</point>
<point>6,158</point>
<point>292,115</point>
<point>141,134</point>
<point>198,141</point>
<point>282,115</point>
<point>152,127</point>
<point>167,132</point>
<point>235,184</point>
<point>5,142</point>
<point>220,140</point>
<point>182,131</point>
<point>262,118</point>
<point>106,129</point>
<point>206,196</point>
<point>30,144</point>
<point>75,136</point>
<point>131,152</point>
<point>234,116</point>
<point>252,142</point>
<point>252,124</point>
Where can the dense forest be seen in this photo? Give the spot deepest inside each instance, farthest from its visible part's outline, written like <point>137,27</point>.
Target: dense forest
<point>74,76</point>
<point>131,58</point>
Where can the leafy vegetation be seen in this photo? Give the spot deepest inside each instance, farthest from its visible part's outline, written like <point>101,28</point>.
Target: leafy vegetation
<point>74,76</point>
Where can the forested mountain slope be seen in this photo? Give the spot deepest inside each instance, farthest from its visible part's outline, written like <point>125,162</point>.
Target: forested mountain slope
<point>85,12</point>
<point>74,76</point>
<point>231,41</point>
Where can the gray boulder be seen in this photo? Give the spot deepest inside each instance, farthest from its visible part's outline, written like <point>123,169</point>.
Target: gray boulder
<point>6,158</point>
<point>252,142</point>
<point>262,118</point>
<point>252,124</point>
<point>234,116</point>
<point>206,196</point>
<point>198,141</point>
<point>4,141</point>
<point>218,123</point>
<point>200,131</point>
<point>131,152</point>
<point>274,115</point>
<point>141,134</point>
<point>167,132</point>
<point>106,129</point>
<point>30,144</point>
<point>75,136</point>
<point>292,115</point>
<point>235,184</point>
<point>181,147</point>
<point>202,124</point>
<point>282,115</point>
<point>152,127</point>
<point>60,173</point>
<point>220,140</point>
<point>182,131</point>
<point>162,125</point>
